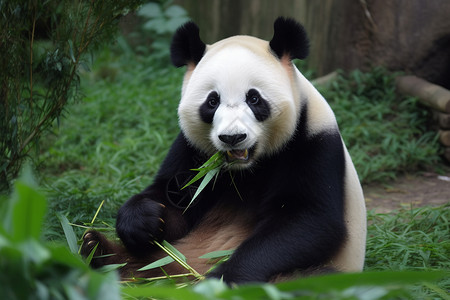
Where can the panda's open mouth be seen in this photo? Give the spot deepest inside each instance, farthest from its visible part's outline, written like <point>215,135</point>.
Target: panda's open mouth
<point>237,155</point>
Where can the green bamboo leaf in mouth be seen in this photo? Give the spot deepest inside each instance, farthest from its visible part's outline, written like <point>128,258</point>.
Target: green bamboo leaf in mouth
<point>212,167</point>
<point>209,170</point>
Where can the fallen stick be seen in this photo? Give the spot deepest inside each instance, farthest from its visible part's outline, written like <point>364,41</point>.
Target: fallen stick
<point>443,120</point>
<point>447,154</point>
<point>444,137</point>
<point>325,80</point>
<point>430,94</point>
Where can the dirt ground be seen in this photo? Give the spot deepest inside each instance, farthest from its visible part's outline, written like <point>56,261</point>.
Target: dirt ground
<point>409,191</point>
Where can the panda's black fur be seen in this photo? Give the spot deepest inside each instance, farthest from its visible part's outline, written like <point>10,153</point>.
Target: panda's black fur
<point>288,207</point>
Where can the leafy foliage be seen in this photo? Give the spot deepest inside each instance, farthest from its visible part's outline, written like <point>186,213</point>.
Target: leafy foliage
<point>43,45</point>
<point>160,20</point>
<point>30,269</point>
<point>369,285</point>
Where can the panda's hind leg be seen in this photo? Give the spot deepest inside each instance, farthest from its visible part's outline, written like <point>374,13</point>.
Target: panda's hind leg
<point>106,252</point>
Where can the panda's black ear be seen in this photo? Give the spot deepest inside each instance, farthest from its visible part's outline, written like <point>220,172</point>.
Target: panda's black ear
<point>289,39</point>
<point>186,47</point>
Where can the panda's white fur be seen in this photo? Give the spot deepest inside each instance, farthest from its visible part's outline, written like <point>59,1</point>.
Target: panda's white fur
<point>299,204</point>
<point>233,66</point>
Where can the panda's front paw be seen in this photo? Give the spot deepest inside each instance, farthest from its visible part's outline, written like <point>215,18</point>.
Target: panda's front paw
<point>140,223</point>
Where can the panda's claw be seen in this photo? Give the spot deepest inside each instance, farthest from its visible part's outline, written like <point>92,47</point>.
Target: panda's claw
<point>92,243</point>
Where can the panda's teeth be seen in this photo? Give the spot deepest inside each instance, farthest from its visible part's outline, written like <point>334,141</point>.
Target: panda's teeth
<point>241,155</point>
<point>246,154</point>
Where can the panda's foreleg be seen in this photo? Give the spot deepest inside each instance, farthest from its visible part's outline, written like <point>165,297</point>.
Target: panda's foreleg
<point>140,221</point>
<point>149,215</point>
<point>284,244</point>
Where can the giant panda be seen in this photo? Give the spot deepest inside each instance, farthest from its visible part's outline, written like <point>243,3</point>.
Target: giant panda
<point>288,200</point>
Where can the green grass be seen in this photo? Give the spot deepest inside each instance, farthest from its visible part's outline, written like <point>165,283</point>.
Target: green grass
<point>411,239</point>
<point>110,145</point>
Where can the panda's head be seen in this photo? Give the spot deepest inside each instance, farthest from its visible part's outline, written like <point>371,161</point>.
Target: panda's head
<point>240,94</point>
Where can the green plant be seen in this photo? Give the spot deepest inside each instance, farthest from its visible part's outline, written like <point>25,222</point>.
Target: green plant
<point>369,285</point>
<point>209,170</point>
<point>31,269</point>
<point>160,21</point>
<point>43,45</point>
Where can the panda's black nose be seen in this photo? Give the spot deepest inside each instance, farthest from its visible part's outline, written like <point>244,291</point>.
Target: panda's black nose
<point>232,139</point>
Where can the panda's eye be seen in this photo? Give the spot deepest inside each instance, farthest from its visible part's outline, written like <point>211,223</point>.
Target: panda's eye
<point>213,100</point>
<point>253,100</point>
<point>253,97</point>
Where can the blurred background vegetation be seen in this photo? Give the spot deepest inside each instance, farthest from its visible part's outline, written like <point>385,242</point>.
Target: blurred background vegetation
<point>114,57</point>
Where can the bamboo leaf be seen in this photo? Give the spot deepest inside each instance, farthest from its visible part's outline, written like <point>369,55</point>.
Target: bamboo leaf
<point>214,162</point>
<point>199,175</point>
<point>174,250</point>
<point>173,253</point>
<point>217,254</point>
<point>161,292</point>
<point>208,177</point>
<point>28,212</point>
<point>69,233</point>
<point>157,264</point>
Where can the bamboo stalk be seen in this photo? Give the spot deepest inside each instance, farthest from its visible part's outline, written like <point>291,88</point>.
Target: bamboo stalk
<point>429,94</point>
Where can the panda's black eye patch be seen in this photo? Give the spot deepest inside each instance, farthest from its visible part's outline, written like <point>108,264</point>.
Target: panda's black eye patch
<point>259,106</point>
<point>209,107</point>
